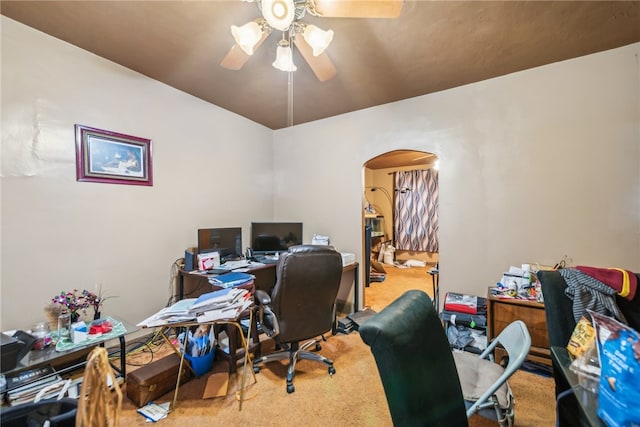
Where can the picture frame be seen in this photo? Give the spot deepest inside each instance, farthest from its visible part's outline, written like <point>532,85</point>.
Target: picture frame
<point>111,157</point>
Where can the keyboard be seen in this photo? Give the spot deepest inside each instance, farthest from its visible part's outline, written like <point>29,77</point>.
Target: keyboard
<point>267,259</point>
<point>232,265</point>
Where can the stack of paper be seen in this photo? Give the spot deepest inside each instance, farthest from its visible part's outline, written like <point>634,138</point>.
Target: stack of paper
<point>178,312</point>
<point>226,303</point>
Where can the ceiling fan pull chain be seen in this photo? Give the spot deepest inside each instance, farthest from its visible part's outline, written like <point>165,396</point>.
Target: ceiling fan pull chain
<point>290,99</point>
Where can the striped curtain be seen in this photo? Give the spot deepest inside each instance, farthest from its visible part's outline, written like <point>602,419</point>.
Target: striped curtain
<point>415,215</point>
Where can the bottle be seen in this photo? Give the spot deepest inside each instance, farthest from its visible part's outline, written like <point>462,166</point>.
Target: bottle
<point>525,285</point>
<point>40,330</point>
<point>64,325</point>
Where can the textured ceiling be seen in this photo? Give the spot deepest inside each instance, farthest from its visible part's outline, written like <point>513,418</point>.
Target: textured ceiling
<point>432,46</point>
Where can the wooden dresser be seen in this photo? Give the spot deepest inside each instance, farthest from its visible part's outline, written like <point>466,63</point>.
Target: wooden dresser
<point>502,311</point>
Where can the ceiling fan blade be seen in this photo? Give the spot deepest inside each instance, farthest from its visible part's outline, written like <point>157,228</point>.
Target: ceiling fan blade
<point>236,58</point>
<point>321,65</point>
<point>359,8</point>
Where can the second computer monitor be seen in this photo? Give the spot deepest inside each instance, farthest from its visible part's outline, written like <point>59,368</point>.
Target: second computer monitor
<point>274,237</point>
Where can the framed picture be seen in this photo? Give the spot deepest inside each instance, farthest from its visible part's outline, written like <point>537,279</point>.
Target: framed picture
<point>110,157</point>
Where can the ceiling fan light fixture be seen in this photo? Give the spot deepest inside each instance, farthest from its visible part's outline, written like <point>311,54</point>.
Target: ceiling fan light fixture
<point>279,13</point>
<point>317,38</point>
<point>247,36</point>
<point>284,57</point>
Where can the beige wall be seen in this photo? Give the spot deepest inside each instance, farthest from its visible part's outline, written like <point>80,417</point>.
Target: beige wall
<point>534,165</point>
<point>59,234</point>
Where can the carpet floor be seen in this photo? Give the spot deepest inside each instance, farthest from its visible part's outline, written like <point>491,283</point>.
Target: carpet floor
<point>354,396</point>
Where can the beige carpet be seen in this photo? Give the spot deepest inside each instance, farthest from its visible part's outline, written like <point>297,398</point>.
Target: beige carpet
<point>352,397</point>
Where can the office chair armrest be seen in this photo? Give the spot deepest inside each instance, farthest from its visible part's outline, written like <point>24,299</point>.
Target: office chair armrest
<point>262,298</point>
<point>266,317</point>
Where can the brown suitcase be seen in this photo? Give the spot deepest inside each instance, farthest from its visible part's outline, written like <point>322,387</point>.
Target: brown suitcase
<point>155,379</point>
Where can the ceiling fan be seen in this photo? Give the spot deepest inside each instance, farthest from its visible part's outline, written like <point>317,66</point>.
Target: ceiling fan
<point>286,16</point>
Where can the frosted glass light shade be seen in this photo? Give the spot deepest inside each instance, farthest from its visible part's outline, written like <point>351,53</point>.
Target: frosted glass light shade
<point>279,13</point>
<point>317,38</point>
<point>284,59</point>
<point>247,36</point>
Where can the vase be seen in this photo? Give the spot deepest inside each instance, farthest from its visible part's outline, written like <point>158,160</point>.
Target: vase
<point>64,324</point>
<point>74,317</point>
<point>96,315</point>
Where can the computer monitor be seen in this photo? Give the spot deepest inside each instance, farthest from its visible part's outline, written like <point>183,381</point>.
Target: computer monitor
<point>274,237</point>
<point>226,241</point>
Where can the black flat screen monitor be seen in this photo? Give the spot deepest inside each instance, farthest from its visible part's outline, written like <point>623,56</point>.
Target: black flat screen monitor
<point>226,241</point>
<point>274,237</point>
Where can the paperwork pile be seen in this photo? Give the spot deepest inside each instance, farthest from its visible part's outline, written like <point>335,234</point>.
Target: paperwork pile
<point>225,303</point>
<point>229,280</point>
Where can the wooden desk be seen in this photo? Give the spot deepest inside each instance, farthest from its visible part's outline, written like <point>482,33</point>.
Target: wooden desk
<point>502,311</point>
<point>342,303</point>
<point>237,350</point>
<point>192,285</point>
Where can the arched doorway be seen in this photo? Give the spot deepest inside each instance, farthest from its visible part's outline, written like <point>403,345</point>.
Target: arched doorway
<point>381,176</point>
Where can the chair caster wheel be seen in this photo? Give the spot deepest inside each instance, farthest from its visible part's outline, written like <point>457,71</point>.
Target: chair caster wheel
<point>256,370</point>
<point>332,370</point>
<point>290,388</point>
<point>318,347</point>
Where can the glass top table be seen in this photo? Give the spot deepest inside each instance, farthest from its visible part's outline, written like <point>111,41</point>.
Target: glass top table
<point>75,357</point>
<point>587,400</point>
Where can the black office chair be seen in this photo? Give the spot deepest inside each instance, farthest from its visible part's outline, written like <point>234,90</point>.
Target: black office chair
<point>301,305</point>
<point>415,363</point>
<point>59,413</point>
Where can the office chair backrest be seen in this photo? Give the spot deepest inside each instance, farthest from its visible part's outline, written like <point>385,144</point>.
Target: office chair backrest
<point>303,298</point>
<point>557,308</point>
<point>415,363</point>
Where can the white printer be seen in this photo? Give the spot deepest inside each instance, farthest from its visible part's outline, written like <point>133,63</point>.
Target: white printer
<point>347,258</point>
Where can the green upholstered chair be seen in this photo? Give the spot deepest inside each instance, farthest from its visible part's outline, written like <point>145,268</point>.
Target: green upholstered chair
<point>560,326</point>
<point>415,363</point>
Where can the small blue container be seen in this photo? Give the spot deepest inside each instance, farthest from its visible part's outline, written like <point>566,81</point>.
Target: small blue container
<point>201,364</point>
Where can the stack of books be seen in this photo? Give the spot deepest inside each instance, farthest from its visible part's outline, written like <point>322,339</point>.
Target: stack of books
<point>462,303</point>
<point>23,387</point>
<point>226,303</point>
<point>229,280</point>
